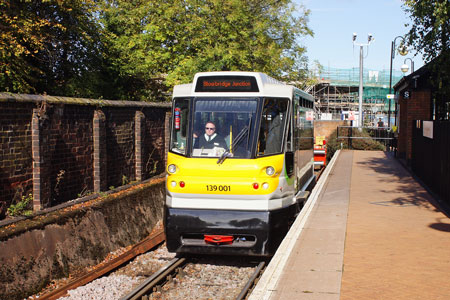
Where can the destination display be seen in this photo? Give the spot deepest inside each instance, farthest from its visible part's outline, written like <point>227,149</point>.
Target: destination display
<point>220,84</point>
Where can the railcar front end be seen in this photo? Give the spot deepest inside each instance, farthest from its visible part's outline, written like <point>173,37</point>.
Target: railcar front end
<point>233,170</point>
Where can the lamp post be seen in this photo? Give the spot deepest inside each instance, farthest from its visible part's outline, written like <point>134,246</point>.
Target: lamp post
<point>405,67</point>
<point>361,56</point>
<point>402,50</point>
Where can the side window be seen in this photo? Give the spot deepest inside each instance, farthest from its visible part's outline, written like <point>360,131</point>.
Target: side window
<point>273,122</point>
<point>180,121</point>
<point>289,138</point>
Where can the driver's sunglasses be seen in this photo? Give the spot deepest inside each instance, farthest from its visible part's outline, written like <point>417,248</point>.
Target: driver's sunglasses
<point>210,128</point>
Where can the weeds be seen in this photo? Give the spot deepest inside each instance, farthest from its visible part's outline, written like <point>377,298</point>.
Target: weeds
<point>59,178</point>
<point>21,208</point>
<point>125,180</point>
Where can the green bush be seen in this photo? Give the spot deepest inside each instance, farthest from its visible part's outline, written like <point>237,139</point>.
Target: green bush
<point>364,143</point>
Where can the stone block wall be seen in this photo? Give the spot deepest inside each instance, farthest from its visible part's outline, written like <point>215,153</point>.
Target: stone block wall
<point>61,148</point>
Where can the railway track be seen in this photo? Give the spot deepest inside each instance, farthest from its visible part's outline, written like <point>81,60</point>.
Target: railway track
<point>253,280</point>
<point>165,273</point>
<point>145,245</point>
<point>170,281</point>
<point>194,274</point>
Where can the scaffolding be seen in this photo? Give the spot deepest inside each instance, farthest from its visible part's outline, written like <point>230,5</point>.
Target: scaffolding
<point>337,92</point>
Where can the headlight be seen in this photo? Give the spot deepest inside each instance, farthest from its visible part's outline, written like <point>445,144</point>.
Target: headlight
<point>270,171</point>
<point>172,169</point>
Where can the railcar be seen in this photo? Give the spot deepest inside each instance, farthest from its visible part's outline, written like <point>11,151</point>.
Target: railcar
<point>241,196</point>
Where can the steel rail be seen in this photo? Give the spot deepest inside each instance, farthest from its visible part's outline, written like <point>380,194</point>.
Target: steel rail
<point>139,248</point>
<point>319,173</point>
<point>153,280</point>
<point>364,137</point>
<point>251,281</point>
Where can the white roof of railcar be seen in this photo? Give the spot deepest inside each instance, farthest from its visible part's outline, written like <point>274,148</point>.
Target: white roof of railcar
<point>268,87</point>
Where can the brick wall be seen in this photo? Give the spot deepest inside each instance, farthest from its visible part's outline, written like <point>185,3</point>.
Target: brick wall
<point>15,151</point>
<point>67,151</point>
<point>120,141</point>
<point>326,128</point>
<point>120,145</point>
<point>154,152</point>
<point>415,108</point>
<point>61,148</point>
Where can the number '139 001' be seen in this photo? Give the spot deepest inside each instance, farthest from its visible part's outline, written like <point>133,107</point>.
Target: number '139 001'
<point>218,188</point>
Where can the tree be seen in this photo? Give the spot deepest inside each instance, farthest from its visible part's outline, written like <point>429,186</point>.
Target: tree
<point>152,40</point>
<point>244,35</point>
<point>138,44</point>
<point>430,29</point>
<point>22,37</point>
<point>49,47</point>
<point>430,34</point>
<point>139,49</point>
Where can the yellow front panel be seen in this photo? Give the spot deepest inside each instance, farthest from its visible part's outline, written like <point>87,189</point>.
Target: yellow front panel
<point>232,177</point>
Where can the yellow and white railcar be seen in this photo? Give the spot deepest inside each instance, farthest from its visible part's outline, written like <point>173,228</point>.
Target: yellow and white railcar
<point>237,197</point>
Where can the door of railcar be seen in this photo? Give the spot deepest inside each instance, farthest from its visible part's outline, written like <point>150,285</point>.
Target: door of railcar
<point>303,129</point>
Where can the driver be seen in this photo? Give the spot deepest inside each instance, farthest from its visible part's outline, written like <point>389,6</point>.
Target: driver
<point>211,139</point>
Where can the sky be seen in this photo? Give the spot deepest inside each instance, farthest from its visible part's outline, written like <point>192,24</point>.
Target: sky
<point>335,21</point>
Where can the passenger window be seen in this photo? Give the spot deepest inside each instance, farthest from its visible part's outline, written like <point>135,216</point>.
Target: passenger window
<point>272,128</point>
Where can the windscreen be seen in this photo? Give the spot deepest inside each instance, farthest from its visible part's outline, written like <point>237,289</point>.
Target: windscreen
<point>223,124</point>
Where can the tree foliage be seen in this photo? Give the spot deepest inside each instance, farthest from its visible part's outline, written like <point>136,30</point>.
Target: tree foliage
<point>48,46</point>
<point>139,49</point>
<point>149,40</point>
<point>430,34</point>
<point>430,28</point>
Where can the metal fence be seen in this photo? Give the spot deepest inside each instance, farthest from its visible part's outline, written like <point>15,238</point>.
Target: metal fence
<point>430,159</point>
<point>368,138</point>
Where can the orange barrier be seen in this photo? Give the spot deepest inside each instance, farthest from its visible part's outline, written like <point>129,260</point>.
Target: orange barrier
<point>320,152</point>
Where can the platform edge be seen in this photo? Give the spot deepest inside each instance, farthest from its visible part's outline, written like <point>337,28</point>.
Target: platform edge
<point>268,282</point>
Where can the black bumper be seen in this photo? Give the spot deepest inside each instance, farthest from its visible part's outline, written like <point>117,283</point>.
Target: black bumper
<point>255,232</point>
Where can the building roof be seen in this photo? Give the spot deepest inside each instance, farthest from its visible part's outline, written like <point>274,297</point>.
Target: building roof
<point>421,75</point>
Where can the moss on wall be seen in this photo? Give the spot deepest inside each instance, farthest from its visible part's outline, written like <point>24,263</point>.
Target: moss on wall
<point>52,245</point>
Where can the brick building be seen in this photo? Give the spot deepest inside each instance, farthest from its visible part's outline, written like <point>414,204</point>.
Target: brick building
<point>414,102</point>
<point>423,118</point>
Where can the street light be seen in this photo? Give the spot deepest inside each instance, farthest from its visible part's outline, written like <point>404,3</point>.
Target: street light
<point>370,39</point>
<point>405,67</point>
<point>402,50</point>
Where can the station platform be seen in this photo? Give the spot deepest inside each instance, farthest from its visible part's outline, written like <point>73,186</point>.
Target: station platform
<point>368,231</point>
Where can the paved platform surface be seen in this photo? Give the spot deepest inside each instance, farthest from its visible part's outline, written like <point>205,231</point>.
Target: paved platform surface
<point>373,233</point>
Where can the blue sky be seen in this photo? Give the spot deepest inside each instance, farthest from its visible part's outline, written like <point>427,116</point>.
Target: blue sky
<point>334,22</point>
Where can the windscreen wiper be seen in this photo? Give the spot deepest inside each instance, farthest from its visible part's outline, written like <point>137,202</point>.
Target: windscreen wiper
<point>238,138</point>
